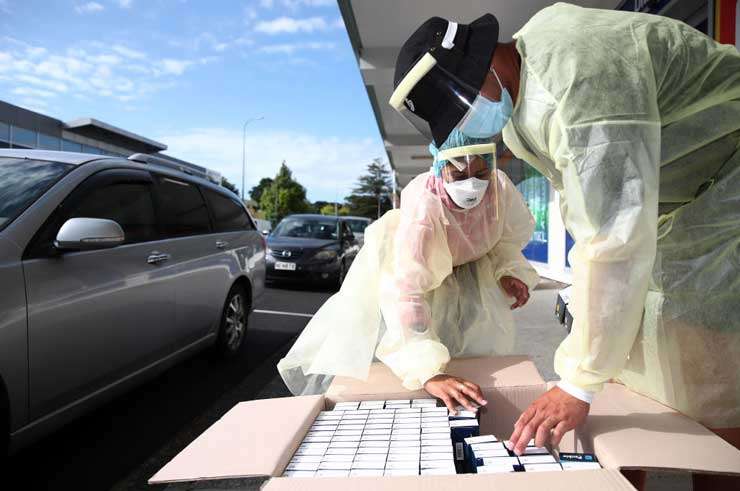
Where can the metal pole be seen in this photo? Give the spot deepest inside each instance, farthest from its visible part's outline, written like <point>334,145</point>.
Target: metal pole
<point>244,150</point>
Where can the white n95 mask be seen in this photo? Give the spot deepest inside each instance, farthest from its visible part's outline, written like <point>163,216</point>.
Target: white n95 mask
<point>467,193</point>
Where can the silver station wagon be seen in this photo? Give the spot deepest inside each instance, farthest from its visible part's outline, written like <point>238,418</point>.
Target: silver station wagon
<point>111,270</point>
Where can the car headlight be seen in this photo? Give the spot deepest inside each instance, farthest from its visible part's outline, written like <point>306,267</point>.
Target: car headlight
<point>325,255</point>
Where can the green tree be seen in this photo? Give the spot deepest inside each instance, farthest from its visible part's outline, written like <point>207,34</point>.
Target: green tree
<point>229,185</point>
<point>371,196</point>
<point>327,209</point>
<point>256,192</point>
<point>284,197</point>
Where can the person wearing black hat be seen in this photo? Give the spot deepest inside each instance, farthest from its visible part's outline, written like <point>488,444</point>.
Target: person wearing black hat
<point>630,116</point>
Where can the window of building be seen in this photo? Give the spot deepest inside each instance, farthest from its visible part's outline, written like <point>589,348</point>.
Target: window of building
<point>23,138</point>
<point>183,210</point>
<point>227,212</point>
<point>4,133</point>
<point>90,149</point>
<point>70,146</point>
<point>48,142</point>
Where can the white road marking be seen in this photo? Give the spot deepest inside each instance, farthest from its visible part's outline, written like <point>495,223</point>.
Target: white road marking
<point>277,312</point>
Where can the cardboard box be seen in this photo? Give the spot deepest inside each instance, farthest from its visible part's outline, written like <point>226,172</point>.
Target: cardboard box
<point>624,430</point>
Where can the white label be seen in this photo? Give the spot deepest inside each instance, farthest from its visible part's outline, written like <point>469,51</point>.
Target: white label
<point>537,459</point>
<point>542,467</point>
<point>280,266</point>
<point>480,439</point>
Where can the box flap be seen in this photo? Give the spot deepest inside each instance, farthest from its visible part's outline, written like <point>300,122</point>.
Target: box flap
<point>488,372</point>
<point>627,430</point>
<point>603,480</point>
<point>255,438</point>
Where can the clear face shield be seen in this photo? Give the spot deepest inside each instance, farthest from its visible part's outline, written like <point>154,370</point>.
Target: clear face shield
<point>456,105</point>
<point>469,173</point>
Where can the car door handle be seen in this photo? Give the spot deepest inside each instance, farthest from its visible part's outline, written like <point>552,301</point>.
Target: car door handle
<point>157,257</point>
<point>221,244</point>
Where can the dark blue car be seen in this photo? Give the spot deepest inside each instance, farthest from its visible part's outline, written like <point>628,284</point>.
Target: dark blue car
<point>316,248</point>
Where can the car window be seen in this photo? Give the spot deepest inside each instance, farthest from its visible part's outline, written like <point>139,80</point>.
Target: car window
<point>346,232</point>
<point>129,204</point>
<point>22,182</point>
<point>358,226</point>
<point>227,213</point>
<point>182,209</point>
<point>307,228</point>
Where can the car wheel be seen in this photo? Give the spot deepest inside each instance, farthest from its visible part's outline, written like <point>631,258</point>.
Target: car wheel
<point>234,321</point>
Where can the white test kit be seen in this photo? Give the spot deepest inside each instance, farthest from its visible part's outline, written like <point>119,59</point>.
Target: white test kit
<point>542,467</point>
<point>331,473</point>
<point>494,469</point>
<point>299,474</point>
<point>365,472</point>
<point>537,459</point>
<point>481,439</point>
<point>335,465</point>
<point>401,472</point>
<point>446,471</point>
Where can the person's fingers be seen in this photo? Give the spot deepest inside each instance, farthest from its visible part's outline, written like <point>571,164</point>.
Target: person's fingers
<point>448,402</point>
<point>519,426</point>
<point>557,434</point>
<point>460,397</point>
<point>477,393</point>
<point>528,433</point>
<point>477,398</point>
<point>542,436</point>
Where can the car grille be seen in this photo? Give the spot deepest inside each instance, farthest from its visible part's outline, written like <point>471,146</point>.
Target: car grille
<point>286,253</point>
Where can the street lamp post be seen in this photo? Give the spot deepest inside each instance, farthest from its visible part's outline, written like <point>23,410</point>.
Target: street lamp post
<point>244,149</point>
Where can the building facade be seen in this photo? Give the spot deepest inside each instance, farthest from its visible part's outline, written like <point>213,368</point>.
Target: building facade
<point>21,128</point>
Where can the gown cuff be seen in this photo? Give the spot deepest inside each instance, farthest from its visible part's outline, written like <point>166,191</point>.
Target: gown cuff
<point>584,395</point>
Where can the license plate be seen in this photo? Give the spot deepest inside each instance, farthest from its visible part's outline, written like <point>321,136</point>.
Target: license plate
<point>285,266</point>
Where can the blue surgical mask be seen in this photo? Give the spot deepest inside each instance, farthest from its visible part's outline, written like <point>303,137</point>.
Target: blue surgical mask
<point>485,117</point>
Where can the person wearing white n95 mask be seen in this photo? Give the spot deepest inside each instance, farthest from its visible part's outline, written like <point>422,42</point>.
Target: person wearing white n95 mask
<point>435,279</point>
<point>467,193</point>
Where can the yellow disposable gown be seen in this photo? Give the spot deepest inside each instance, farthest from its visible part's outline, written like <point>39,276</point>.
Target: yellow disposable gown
<point>632,116</point>
<point>424,287</point>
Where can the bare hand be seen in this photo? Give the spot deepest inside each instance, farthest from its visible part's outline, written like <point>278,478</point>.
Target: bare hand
<point>515,288</point>
<point>455,391</point>
<point>555,411</point>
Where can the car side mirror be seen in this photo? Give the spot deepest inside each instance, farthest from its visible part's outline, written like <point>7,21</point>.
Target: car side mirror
<point>88,233</point>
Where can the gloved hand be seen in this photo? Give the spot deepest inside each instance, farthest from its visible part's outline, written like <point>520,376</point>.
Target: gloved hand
<point>455,392</point>
<point>515,288</point>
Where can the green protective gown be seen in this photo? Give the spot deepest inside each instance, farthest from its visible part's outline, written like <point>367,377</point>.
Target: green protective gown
<point>635,119</point>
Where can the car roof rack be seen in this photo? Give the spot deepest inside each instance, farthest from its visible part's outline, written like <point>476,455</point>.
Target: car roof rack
<point>191,170</point>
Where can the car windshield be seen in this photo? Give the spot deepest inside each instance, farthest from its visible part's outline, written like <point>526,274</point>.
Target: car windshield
<point>307,228</point>
<point>357,226</point>
<point>22,182</point>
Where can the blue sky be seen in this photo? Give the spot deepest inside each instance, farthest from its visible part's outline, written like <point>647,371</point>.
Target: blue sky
<point>188,73</point>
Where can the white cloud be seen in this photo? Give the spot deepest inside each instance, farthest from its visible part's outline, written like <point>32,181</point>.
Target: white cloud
<point>128,52</point>
<point>327,166</point>
<point>89,7</point>
<point>290,48</point>
<point>294,4</point>
<point>124,4</point>
<point>31,92</point>
<point>292,25</point>
<point>174,67</point>
<point>91,70</point>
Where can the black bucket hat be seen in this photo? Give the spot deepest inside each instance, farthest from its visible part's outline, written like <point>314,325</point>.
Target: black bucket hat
<point>468,60</point>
